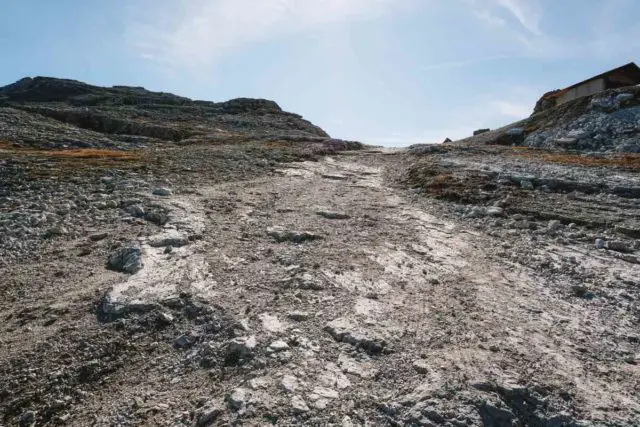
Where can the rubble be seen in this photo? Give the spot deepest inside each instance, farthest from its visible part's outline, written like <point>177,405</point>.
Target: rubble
<point>453,294</point>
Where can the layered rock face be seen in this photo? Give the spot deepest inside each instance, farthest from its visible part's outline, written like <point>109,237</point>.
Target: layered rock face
<point>60,113</point>
<point>607,122</point>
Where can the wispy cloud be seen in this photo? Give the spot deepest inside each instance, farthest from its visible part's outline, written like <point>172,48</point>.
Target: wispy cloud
<point>195,33</point>
<point>527,12</point>
<point>488,17</point>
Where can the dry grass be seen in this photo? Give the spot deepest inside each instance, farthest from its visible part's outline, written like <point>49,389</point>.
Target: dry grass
<point>279,144</point>
<point>78,153</point>
<point>442,180</point>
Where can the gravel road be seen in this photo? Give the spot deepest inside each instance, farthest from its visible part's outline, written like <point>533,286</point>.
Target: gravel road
<point>319,293</point>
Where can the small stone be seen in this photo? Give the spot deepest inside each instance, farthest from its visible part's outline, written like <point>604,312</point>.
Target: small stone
<point>309,282</point>
<point>289,383</point>
<point>554,225</point>
<point>343,330</point>
<point>298,316</point>
<point>282,235</point>
<point>582,291</point>
<point>162,191</point>
<point>184,340</point>
<point>298,405</point>
<point>332,215</point>
<point>495,211</point>
<point>208,413</point>
<point>126,260</point>
<point>98,236</point>
<point>278,346</point>
<point>600,244</point>
<point>421,367</point>
<point>271,323</point>
<point>623,97</point>
<point>165,318</point>
<point>28,419</point>
<point>319,403</point>
<point>526,184</point>
<point>135,210</point>
<point>239,349</point>
<point>241,326</point>
<point>258,383</point>
<point>172,238</point>
<point>237,399</point>
<point>157,217</point>
<point>336,177</point>
<point>327,393</point>
<point>515,132</point>
<point>56,231</point>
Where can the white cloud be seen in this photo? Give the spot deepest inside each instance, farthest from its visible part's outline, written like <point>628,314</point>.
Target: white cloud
<point>528,12</point>
<point>195,33</point>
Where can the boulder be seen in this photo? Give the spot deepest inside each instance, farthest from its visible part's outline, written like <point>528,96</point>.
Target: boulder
<point>126,260</point>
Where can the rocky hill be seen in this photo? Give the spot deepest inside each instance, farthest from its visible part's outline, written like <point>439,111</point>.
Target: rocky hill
<point>607,122</point>
<point>57,113</point>
<point>183,263</point>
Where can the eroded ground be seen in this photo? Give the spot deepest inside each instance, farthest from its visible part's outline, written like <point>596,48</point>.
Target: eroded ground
<point>328,293</point>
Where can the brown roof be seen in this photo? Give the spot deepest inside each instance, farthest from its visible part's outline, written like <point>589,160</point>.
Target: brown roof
<point>630,69</point>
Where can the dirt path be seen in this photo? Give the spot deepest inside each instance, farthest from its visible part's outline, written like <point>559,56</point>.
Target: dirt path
<point>368,305</point>
<point>420,294</point>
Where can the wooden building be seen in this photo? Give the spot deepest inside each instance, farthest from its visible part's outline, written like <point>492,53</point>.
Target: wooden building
<point>627,75</point>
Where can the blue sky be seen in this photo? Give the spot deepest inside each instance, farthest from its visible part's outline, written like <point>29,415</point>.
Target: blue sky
<point>390,72</point>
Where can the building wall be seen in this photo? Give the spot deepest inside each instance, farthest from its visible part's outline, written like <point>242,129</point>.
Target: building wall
<point>586,89</point>
<point>620,79</point>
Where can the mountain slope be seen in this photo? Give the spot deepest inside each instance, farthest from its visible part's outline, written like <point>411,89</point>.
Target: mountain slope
<point>92,116</point>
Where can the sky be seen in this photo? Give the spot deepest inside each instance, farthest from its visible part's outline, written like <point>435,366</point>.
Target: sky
<point>384,72</point>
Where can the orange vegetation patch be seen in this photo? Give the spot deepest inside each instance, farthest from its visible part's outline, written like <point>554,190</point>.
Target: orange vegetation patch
<point>79,153</point>
<point>279,144</point>
<point>627,161</point>
<point>442,180</point>
<point>90,153</point>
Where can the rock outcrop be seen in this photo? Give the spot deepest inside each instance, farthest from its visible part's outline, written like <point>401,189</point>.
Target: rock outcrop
<point>607,122</point>
<point>69,113</point>
<point>548,100</point>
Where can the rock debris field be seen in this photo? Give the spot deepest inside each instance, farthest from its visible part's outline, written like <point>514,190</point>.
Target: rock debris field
<point>276,281</point>
<point>339,291</point>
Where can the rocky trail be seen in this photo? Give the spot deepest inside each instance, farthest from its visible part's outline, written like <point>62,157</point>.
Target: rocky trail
<point>321,293</point>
